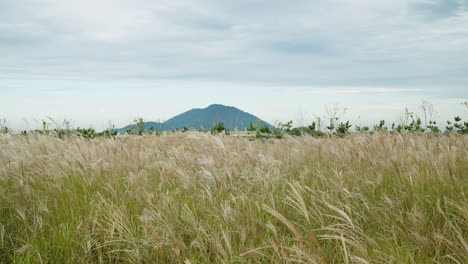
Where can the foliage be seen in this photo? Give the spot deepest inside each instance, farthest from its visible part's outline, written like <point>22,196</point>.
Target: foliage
<point>277,134</point>
<point>433,127</point>
<point>264,129</point>
<point>295,132</point>
<point>458,126</point>
<point>311,130</point>
<point>139,125</point>
<point>251,127</point>
<point>362,129</point>
<point>409,123</point>
<point>343,128</point>
<point>264,132</point>
<point>110,132</point>
<point>285,126</point>
<point>313,126</point>
<point>86,132</point>
<point>218,128</point>
<point>380,126</point>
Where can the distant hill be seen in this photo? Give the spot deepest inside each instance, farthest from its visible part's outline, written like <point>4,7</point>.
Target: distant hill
<point>232,117</point>
<point>151,126</point>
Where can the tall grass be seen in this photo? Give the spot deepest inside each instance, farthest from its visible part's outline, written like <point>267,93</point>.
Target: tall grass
<point>199,198</point>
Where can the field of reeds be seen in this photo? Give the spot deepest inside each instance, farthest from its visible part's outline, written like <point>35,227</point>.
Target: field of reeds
<point>201,198</point>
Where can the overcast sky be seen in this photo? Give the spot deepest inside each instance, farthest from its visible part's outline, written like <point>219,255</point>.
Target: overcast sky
<point>95,61</point>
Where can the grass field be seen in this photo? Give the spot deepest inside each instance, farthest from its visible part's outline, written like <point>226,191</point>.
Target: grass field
<point>201,198</point>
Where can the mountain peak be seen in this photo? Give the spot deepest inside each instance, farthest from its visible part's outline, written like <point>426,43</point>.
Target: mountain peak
<point>218,106</point>
<point>204,118</point>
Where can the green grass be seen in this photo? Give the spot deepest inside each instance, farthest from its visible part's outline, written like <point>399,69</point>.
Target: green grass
<point>200,198</point>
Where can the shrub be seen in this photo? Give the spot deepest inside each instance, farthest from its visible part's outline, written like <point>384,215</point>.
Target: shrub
<point>295,132</point>
<point>110,132</point>
<point>343,128</point>
<point>433,127</point>
<point>460,127</point>
<point>286,127</point>
<point>362,129</point>
<point>218,128</point>
<point>264,129</point>
<point>380,126</point>
<point>251,127</point>
<point>139,124</point>
<point>277,134</point>
<point>86,132</point>
<point>313,126</point>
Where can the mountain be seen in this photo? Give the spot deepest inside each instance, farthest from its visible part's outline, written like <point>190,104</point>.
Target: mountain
<point>233,119</point>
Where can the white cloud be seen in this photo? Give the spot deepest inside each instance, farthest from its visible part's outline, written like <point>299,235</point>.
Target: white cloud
<point>334,48</point>
<point>340,42</point>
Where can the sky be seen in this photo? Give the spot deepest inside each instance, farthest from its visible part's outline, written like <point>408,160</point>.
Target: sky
<point>97,62</point>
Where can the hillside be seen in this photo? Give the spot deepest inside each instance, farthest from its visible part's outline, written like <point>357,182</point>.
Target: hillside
<point>204,118</point>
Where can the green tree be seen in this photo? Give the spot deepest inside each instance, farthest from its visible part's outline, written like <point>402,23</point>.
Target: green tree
<point>313,126</point>
<point>380,126</point>
<point>285,126</point>
<point>218,128</point>
<point>343,128</point>
<point>251,127</point>
<point>460,126</point>
<point>139,124</point>
<point>264,129</point>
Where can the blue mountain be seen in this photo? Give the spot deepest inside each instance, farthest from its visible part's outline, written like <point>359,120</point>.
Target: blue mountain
<point>204,118</point>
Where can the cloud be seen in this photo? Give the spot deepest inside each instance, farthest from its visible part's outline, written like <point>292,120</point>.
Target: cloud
<point>404,44</point>
<point>436,9</point>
